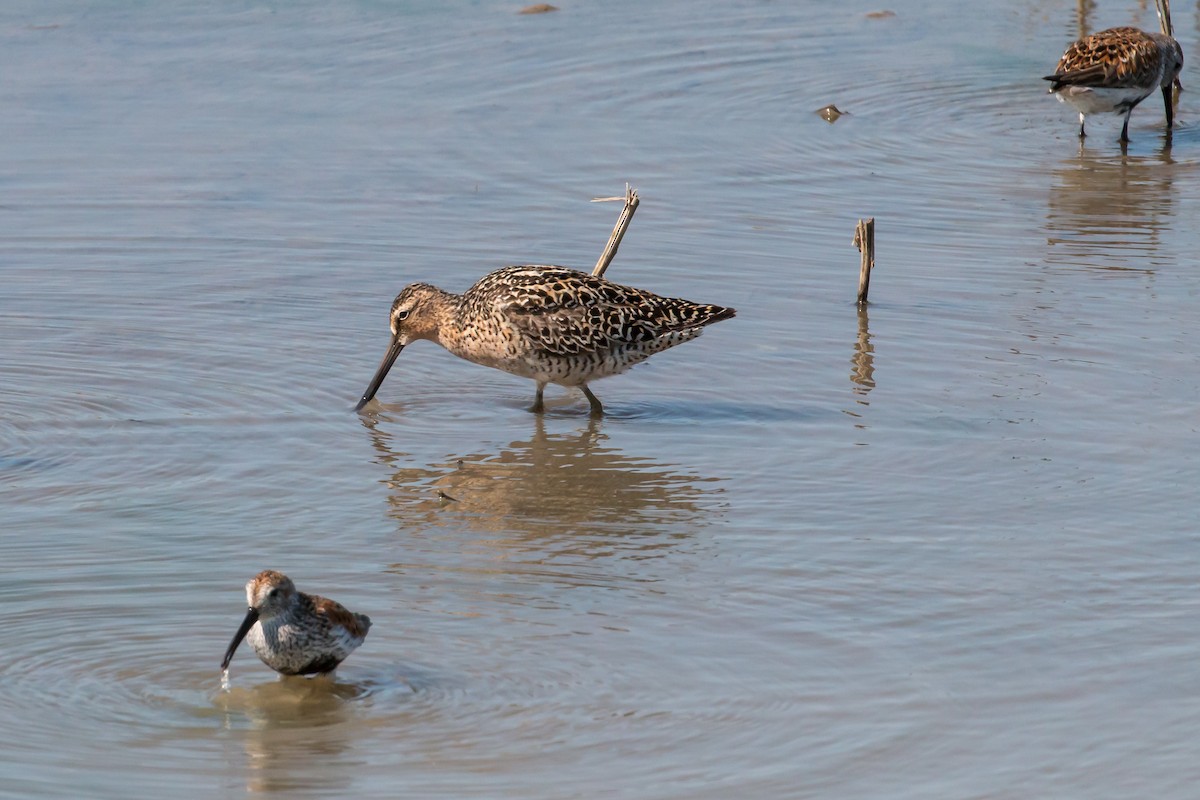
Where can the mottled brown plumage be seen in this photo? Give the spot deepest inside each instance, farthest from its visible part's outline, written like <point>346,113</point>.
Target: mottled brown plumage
<point>296,633</point>
<point>548,323</point>
<point>1115,69</point>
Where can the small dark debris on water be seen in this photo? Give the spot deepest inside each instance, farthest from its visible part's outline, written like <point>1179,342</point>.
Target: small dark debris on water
<point>443,496</point>
<point>884,14</point>
<point>538,8</point>
<point>830,113</point>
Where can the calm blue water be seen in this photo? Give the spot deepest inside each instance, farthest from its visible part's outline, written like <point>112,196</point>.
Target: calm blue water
<point>945,548</point>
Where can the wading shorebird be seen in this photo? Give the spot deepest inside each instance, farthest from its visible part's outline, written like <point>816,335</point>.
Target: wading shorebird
<point>548,323</point>
<point>296,633</point>
<point>1114,70</point>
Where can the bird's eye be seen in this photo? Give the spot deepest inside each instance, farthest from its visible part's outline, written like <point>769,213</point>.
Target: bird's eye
<point>273,593</point>
<point>402,315</point>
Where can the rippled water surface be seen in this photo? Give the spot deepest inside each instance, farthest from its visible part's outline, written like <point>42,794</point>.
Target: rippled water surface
<point>944,548</point>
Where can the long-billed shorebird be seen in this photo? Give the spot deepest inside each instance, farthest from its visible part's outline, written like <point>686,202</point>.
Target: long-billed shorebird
<point>296,633</point>
<point>1115,69</point>
<point>551,324</point>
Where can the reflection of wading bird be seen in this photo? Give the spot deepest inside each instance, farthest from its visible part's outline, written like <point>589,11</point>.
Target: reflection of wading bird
<point>296,633</point>
<point>1114,70</point>
<point>551,324</point>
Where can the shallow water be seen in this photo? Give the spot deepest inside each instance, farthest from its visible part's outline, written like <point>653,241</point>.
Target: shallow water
<point>941,548</point>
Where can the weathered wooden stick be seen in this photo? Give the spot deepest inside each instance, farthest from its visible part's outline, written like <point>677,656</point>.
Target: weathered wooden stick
<point>864,240</point>
<point>614,241</point>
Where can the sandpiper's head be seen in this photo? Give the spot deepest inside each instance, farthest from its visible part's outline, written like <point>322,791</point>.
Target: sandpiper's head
<point>1174,68</point>
<point>414,315</point>
<point>268,594</point>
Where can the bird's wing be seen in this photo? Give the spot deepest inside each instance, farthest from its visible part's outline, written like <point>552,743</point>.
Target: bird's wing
<point>565,312</point>
<point>1115,58</point>
<point>337,614</point>
<point>579,315</point>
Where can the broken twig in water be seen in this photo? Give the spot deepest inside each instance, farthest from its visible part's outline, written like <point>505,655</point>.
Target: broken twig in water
<point>864,240</point>
<point>610,250</point>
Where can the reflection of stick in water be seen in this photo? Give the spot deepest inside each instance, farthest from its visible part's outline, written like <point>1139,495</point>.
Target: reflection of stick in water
<point>614,241</point>
<point>862,364</point>
<point>864,240</point>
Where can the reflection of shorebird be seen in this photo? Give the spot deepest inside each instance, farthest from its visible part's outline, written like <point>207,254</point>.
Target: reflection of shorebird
<point>1115,69</point>
<point>296,633</point>
<point>573,489</point>
<point>1110,212</point>
<point>298,732</point>
<point>551,324</point>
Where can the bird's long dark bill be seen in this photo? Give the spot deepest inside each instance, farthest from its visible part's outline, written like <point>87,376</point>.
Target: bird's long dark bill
<point>247,624</point>
<point>389,358</point>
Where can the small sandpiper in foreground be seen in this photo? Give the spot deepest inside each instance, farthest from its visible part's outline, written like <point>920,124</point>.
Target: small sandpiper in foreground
<point>296,633</point>
<point>548,323</point>
<point>1115,69</point>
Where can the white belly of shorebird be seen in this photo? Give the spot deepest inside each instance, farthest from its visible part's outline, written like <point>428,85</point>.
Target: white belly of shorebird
<point>1099,100</point>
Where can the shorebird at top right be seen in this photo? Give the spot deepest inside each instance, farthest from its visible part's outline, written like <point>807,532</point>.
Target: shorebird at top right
<point>1114,70</point>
